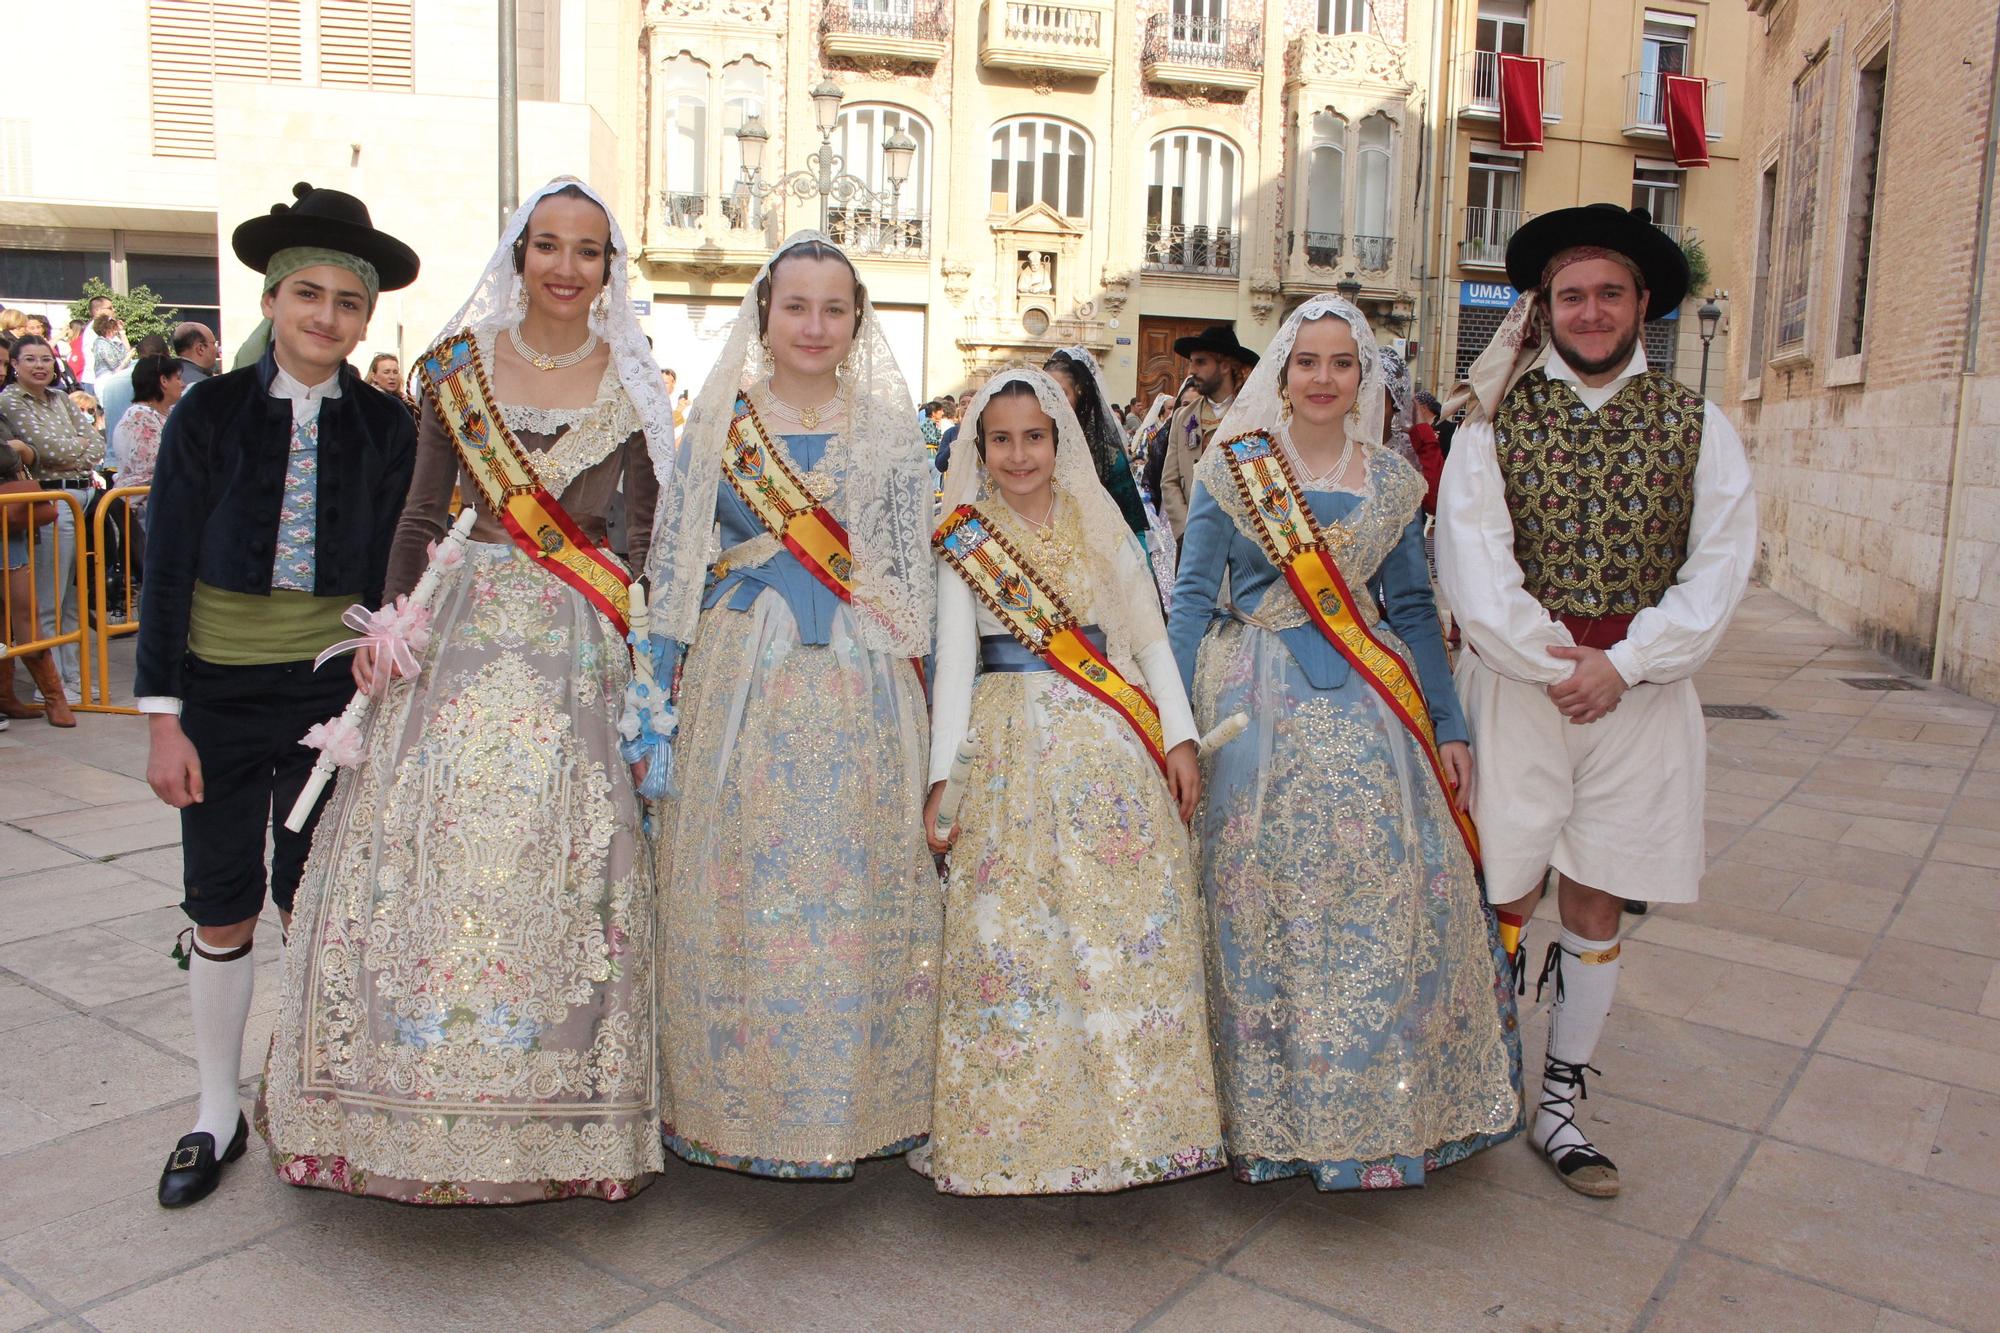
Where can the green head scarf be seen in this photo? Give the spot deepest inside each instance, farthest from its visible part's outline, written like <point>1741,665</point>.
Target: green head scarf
<point>283,265</point>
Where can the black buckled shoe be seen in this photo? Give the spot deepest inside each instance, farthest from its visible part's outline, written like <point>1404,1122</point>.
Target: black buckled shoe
<point>193,1172</point>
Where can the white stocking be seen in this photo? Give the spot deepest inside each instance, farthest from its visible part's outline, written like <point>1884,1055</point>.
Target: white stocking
<point>1586,978</point>
<point>221,994</point>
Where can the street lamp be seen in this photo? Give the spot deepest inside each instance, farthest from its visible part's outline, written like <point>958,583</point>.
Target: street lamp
<point>1349,288</point>
<point>1710,316</point>
<point>825,175</point>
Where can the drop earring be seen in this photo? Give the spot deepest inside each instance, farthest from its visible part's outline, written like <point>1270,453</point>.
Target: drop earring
<point>1284,404</point>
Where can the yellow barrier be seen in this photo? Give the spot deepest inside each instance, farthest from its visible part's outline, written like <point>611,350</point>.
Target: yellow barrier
<point>128,622</point>
<point>15,518</point>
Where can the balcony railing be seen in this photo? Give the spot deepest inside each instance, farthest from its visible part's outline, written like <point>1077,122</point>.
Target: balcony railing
<point>1374,254</point>
<point>1679,233</point>
<point>1174,248</point>
<point>1646,106</point>
<point>865,233</point>
<point>1220,53</point>
<point>1045,34</point>
<point>1320,249</point>
<point>901,29</point>
<point>1480,98</point>
<point>680,211</point>
<point>1487,231</point>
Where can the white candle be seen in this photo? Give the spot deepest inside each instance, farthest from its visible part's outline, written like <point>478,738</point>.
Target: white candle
<point>954,785</point>
<point>1222,733</point>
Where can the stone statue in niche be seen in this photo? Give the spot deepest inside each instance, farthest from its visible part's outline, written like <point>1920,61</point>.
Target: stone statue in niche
<point>1038,273</point>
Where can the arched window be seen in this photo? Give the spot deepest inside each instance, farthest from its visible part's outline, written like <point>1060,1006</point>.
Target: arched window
<point>745,87</point>
<point>1326,190</point>
<point>1191,201</point>
<point>683,139</point>
<point>1374,216</point>
<point>858,136</point>
<point>1041,161</point>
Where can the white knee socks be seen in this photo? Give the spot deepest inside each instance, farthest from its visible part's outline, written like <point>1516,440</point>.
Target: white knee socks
<point>1586,980</point>
<point>220,993</point>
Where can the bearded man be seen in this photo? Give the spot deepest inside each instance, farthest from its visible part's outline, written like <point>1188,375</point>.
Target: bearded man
<point>1217,366</point>
<point>1596,528</point>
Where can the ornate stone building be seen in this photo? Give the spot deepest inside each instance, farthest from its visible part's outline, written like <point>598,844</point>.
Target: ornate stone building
<point>1107,172</point>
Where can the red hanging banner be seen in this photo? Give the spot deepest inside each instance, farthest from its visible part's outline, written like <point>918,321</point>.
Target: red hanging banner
<point>1521,84</point>
<point>1687,118</point>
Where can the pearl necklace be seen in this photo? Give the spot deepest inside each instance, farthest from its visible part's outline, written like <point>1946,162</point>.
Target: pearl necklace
<point>543,361</point>
<point>808,418</point>
<point>1332,475</point>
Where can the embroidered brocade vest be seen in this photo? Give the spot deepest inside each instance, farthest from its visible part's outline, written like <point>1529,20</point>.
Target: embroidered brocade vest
<point>1601,502</point>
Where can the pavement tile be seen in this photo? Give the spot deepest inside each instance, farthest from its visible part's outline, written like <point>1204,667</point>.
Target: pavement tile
<point>81,1072</point>
<point>1875,1115</point>
<point>1222,1302</point>
<point>1941,1044</point>
<point>664,1317</point>
<point>1425,1259</point>
<point>1872,1232</point>
<point>1774,1005</point>
<point>1927,974</point>
<point>257,1287</point>
<point>18,1309</point>
<point>1713,1292</point>
<point>1666,981</point>
<point>404,1266</point>
<point>1968,846</point>
<point>1730,944</point>
<point>1690,1069</point>
<point>1001,1264</point>
<point>88,965</point>
<point>22,1004</point>
<point>48,901</point>
<point>105,830</point>
<point>22,852</point>
<point>1198,1219</point>
<point>66,1176</point>
<point>1967,1151</point>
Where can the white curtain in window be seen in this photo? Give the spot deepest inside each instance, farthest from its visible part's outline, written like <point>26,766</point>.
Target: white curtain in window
<point>1375,215</point>
<point>745,87</point>
<point>684,125</point>
<point>1326,190</point>
<point>1040,161</point>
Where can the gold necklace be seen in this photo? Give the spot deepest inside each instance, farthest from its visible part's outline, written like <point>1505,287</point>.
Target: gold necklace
<point>544,361</point>
<point>808,417</point>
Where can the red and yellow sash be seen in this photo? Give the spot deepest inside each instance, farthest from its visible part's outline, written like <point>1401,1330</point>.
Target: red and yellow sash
<point>499,466</point>
<point>1292,538</point>
<point>1036,616</point>
<point>762,477</point>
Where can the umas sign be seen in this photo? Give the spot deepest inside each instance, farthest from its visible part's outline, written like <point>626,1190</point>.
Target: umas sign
<point>1486,295</point>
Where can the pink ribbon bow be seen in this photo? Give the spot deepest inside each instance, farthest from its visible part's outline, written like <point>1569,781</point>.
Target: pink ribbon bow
<point>396,633</point>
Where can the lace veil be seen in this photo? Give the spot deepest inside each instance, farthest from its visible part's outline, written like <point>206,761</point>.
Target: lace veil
<point>1402,391</point>
<point>875,477</point>
<point>1111,553</point>
<point>1107,438</point>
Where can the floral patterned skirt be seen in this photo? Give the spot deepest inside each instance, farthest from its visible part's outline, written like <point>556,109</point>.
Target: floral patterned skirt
<point>1073,1049</point>
<point>1364,1025</point>
<point>468,1004</point>
<point>799,906</point>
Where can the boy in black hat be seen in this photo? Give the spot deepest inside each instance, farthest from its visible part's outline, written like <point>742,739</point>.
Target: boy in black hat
<point>1217,365</point>
<point>275,498</point>
<point>1596,527</point>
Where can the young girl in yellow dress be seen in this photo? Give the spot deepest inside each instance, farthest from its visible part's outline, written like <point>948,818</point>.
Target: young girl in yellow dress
<point>1073,1051</point>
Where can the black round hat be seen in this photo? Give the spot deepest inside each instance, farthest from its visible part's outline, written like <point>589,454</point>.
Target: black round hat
<point>1629,231</point>
<point>1219,339</point>
<point>330,220</point>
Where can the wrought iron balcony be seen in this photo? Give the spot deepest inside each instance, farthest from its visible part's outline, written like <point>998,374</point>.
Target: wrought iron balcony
<point>1646,106</point>
<point>1318,249</point>
<point>1203,52</point>
<point>868,234</point>
<point>1046,35</point>
<point>1374,254</point>
<point>1487,231</point>
<point>1174,248</point>
<point>722,231</point>
<point>1480,95</point>
<point>912,30</point>
<point>1677,232</point>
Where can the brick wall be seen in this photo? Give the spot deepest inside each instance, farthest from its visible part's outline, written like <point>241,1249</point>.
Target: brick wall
<point>1855,457</point>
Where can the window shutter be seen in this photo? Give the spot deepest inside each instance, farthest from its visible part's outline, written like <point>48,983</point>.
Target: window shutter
<point>368,44</point>
<point>192,43</point>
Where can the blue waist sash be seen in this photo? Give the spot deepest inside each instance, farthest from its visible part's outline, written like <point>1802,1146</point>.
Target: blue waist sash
<point>1003,652</point>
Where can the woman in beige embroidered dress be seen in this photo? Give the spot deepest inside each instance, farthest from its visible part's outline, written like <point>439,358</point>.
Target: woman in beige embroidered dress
<point>469,1006</point>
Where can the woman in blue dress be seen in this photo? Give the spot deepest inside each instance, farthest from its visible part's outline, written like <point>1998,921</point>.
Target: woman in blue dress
<point>799,906</point>
<point>1364,1034</point>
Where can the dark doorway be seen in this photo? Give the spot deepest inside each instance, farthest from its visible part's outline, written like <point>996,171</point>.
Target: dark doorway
<point>1160,371</point>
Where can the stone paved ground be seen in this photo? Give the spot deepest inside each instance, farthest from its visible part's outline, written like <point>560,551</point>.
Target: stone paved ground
<point>1802,1083</point>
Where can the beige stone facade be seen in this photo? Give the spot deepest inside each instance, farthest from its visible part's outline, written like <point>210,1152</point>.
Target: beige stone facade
<point>1604,141</point>
<point>1104,172</point>
<point>1865,379</point>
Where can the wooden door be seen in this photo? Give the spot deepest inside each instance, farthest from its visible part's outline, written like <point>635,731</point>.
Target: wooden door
<point>1160,371</point>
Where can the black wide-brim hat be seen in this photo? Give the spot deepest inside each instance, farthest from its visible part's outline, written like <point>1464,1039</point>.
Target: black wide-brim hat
<point>1218,339</point>
<point>1629,231</point>
<point>328,220</point>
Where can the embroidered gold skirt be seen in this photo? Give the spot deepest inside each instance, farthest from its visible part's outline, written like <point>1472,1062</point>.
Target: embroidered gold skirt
<point>468,1012</point>
<point>1073,1047</point>
<point>800,908</point>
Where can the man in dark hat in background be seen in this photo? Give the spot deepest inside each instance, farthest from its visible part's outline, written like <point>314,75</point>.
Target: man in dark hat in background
<point>276,494</point>
<point>1217,367</point>
<point>1596,528</point>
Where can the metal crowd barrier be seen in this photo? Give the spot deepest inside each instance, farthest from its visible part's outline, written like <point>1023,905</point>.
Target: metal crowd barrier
<point>123,619</point>
<point>16,516</point>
